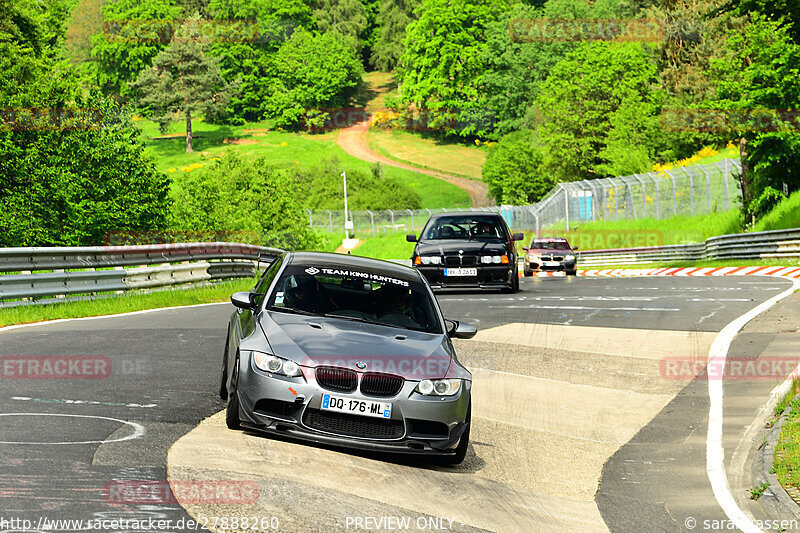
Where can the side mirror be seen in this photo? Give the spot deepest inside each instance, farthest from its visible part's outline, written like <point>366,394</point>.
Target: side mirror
<point>242,300</point>
<point>517,237</point>
<point>461,330</point>
<point>574,247</point>
<point>411,238</point>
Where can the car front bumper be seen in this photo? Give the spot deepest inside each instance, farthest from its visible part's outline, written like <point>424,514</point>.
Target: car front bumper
<point>563,266</point>
<point>488,276</point>
<point>418,425</point>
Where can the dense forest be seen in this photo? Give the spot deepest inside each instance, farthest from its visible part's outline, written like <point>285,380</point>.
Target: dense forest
<point>566,89</point>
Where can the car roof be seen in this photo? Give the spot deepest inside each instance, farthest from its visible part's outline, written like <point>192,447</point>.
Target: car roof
<point>353,262</point>
<point>466,213</point>
<point>550,239</point>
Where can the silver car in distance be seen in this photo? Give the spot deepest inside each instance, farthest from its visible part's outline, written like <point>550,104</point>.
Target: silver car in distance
<point>347,351</point>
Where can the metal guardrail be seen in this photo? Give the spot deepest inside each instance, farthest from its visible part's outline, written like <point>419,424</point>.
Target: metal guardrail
<point>756,245</point>
<point>97,269</point>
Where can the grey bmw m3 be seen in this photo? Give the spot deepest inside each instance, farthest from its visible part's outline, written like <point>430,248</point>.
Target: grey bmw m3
<point>347,351</point>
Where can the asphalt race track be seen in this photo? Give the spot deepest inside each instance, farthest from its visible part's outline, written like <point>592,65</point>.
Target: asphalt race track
<point>576,427</point>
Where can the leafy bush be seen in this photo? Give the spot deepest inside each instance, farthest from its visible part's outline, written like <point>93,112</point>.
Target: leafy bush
<point>766,202</point>
<point>513,170</point>
<point>322,188</point>
<point>72,167</point>
<point>246,196</point>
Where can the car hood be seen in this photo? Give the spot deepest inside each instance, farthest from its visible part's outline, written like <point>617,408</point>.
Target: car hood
<point>446,246</point>
<point>321,341</point>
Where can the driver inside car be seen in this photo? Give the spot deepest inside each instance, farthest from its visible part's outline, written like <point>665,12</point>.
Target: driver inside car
<point>307,295</point>
<point>395,306</point>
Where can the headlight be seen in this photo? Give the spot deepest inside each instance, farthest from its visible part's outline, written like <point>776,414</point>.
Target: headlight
<point>569,258</point>
<point>438,387</point>
<point>431,260</point>
<point>487,259</point>
<point>276,365</point>
<point>533,257</point>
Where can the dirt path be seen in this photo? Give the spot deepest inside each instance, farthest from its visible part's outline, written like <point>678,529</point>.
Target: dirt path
<point>353,140</point>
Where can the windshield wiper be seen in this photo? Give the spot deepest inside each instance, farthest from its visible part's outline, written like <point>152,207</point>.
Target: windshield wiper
<point>294,311</point>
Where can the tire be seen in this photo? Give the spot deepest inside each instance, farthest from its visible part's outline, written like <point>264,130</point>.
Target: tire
<point>527,272</point>
<point>513,286</point>
<point>232,407</point>
<point>463,444</point>
<point>223,386</point>
<point>572,272</point>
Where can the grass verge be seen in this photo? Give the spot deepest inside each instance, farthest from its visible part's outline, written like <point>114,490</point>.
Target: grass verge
<point>787,451</point>
<point>125,303</point>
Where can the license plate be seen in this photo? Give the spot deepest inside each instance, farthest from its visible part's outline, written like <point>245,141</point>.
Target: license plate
<point>356,407</point>
<point>551,263</point>
<point>460,271</point>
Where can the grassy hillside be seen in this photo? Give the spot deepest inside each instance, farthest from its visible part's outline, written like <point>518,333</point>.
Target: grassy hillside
<point>284,149</point>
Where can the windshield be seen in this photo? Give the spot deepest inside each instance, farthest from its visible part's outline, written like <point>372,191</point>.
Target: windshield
<point>459,227</point>
<point>355,295</point>
<point>560,245</point>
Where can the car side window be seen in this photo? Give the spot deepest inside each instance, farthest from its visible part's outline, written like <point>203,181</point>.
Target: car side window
<point>266,279</point>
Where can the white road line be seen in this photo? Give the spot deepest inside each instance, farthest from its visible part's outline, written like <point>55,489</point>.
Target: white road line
<point>138,429</point>
<point>130,313</point>
<point>581,308</point>
<point>715,453</point>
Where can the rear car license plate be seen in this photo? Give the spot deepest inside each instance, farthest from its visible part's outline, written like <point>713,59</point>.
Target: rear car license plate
<point>460,271</point>
<point>356,407</point>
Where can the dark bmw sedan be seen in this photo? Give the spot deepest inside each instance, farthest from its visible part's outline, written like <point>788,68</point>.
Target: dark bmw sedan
<point>459,250</point>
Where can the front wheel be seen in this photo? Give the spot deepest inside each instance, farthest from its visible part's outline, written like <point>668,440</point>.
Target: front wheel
<point>572,272</point>
<point>232,407</point>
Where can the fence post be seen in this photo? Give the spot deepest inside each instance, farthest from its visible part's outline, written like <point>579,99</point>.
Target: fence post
<point>394,229</point>
<point>410,212</point>
<point>658,200</point>
<point>725,182</point>
<point>350,213</point>
<point>566,204</point>
<point>644,195</point>
<point>372,221</point>
<point>708,189</point>
<point>691,190</point>
<point>674,193</point>
<point>310,221</point>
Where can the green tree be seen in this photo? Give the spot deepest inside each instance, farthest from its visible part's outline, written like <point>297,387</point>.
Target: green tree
<point>392,19</point>
<point>312,72</point>
<point>134,34</point>
<point>72,167</point>
<point>758,79</point>
<point>442,66</point>
<point>600,92</point>
<point>236,194</point>
<point>183,80</point>
<point>347,17</point>
<point>513,170</point>
<point>250,61</point>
